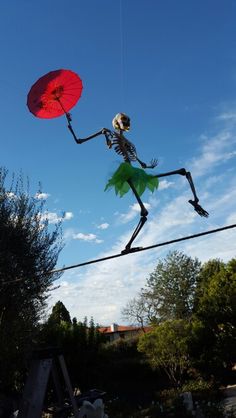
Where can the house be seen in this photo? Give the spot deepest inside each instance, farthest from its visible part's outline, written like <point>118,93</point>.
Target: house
<point>115,331</point>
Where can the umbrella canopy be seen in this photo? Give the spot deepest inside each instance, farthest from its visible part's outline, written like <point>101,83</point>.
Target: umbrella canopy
<point>54,94</point>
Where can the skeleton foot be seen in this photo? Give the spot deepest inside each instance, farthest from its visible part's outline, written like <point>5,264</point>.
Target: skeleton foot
<point>199,209</point>
<point>128,250</point>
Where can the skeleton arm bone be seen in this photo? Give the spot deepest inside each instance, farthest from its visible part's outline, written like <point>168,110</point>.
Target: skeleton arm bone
<point>82,140</point>
<point>103,131</point>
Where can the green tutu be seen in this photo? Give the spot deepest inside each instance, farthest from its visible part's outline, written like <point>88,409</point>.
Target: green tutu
<point>140,179</point>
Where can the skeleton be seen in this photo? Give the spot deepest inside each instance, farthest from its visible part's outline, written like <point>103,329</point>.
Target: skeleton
<point>124,148</point>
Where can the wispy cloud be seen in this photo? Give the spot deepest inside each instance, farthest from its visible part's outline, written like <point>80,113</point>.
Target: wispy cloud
<point>105,225</point>
<point>53,217</point>
<point>73,234</point>
<point>42,196</point>
<point>216,149</point>
<point>231,218</point>
<point>164,184</point>
<point>86,237</point>
<point>68,216</point>
<point>227,116</point>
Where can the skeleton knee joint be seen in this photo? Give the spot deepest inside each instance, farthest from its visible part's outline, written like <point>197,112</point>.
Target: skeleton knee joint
<point>183,172</point>
<point>144,213</point>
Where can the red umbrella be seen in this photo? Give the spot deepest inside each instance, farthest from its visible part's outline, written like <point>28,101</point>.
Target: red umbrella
<point>54,94</point>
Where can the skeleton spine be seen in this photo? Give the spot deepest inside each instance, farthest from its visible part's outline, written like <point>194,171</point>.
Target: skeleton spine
<point>125,148</point>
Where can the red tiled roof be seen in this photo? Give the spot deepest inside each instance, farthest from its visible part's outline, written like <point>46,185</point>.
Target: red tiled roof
<point>122,328</point>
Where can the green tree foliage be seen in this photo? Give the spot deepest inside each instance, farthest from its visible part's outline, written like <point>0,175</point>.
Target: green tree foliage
<point>167,347</point>
<point>180,289</point>
<point>117,368</point>
<point>209,269</point>
<point>59,314</point>
<point>173,284</point>
<point>169,291</point>
<point>28,254</point>
<point>215,313</point>
<point>79,341</point>
<point>217,293</point>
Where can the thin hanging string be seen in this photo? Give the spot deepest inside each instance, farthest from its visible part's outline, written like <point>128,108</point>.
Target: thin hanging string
<point>122,61</point>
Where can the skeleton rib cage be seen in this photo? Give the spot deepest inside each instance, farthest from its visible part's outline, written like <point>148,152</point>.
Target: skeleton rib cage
<point>124,147</point>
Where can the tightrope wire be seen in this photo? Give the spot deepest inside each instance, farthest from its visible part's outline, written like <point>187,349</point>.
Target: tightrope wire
<point>162,244</point>
<point>134,251</point>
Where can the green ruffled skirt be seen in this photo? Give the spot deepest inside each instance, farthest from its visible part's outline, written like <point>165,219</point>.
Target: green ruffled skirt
<point>140,179</point>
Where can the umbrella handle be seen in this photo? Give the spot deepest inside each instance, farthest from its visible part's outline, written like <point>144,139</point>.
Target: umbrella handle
<point>68,117</point>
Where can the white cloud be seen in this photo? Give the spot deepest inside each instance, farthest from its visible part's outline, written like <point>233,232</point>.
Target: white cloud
<point>68,216</point>
<point>99,294</point>
<point>228,116</point>
<point>41,196</point>
<point>216,149</point>
<point>231,218</point>
<point>105,225</point>
<point>86,237</point>
<point>164,184</point>
<point>218,245</point>
<point>53,217</point>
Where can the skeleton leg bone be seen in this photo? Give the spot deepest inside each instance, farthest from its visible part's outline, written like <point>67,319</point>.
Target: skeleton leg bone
<point>143,219</point>
<point>188,176</point>
<point>144,212</point>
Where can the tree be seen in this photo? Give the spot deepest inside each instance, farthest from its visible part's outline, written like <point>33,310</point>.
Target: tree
<point>215,308</point>
<point>169,291</point>
<point>59,314</point>
<point>139,311</point>
<point>80,343</point>
<point>172,285</point>
<point>28,254</point>
<point>167,347</point>
<point>207,271</point>
<point>216,302</point>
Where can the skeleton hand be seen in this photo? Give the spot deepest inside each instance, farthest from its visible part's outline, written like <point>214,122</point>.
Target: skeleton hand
<point>153,163</point>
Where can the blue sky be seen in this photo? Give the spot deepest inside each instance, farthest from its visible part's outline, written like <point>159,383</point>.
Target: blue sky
<point>171,67</point>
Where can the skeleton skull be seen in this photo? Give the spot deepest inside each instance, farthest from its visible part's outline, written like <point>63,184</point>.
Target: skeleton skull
<point>121,122</point>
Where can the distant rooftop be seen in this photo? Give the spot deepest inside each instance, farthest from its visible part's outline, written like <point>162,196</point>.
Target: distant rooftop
<point>121,328</point>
